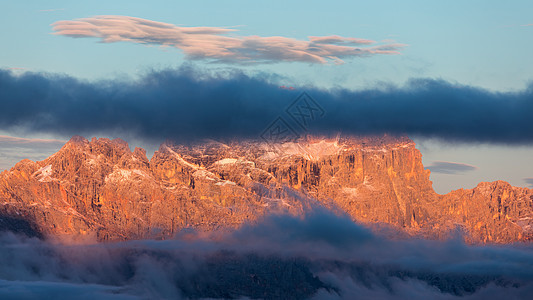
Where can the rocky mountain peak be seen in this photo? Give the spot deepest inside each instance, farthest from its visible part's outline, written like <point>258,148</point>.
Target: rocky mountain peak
<point>121,143</point>
<point>79,140</point>
<point>140,153</point>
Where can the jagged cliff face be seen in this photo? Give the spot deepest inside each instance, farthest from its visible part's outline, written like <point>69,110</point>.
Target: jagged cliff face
<point>491,212</point>
<point>101,187</point>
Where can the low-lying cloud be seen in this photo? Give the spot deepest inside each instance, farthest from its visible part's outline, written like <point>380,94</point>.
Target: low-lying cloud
<point>221,44</point>
<point>187,103</point>
<point>446,167</point>
<point>299,261</point>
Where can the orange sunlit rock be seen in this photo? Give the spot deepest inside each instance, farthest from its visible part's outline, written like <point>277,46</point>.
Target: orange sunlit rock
<point>100,187</point>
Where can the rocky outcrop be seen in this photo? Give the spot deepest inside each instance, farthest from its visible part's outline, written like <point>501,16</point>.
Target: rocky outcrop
<point>101,187</point>
<point>491,212</point>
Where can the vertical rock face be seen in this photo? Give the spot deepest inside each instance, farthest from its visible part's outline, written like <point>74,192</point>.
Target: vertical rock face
<point>381,180</point>
<point>101,187</point>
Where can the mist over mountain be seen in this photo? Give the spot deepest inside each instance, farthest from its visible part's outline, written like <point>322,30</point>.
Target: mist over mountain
<point>319,256</point>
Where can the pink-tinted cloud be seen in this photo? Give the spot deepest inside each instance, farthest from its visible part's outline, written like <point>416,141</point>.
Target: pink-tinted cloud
<point>527,24</point>
<point>222,44</point>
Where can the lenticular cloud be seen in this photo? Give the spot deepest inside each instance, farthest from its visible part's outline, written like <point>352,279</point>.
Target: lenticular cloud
<point>222,44</point>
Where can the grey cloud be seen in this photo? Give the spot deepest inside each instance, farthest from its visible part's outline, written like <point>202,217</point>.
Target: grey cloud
<point>529,181</point>
<point>280,256</point>
<point>188,103</point>
<point>446,167</point>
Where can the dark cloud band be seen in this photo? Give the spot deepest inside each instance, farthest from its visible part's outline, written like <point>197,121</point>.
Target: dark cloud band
<point>186,103</point>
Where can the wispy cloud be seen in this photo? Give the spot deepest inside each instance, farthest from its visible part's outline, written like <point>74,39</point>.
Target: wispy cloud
<point>527,24</point>
<point>446,167</point>
<point>5,139</point>
<point>14,149</point>
<point>221,44</point>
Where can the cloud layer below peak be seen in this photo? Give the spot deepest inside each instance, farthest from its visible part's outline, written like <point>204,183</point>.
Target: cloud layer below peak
<point>220,44</point>
<point>318,256</point>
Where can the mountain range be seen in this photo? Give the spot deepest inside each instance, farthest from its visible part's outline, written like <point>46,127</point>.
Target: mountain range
<point>103,189</point>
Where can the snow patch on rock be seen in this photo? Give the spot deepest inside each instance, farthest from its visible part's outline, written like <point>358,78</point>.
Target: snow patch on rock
<point>225,182</point>
<point>204,174</point>
<point>44,174</point>
<point>234,161</point>
<point>226,161</point>
<point>310,151</point>
<point>119,175</point>
<point>181,160</point>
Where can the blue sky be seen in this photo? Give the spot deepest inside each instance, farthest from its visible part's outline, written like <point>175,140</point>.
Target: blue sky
<point>479,43</point>
<point>486,44</point>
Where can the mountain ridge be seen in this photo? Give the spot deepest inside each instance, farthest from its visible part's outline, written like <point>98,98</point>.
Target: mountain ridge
<point>101,187</point>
